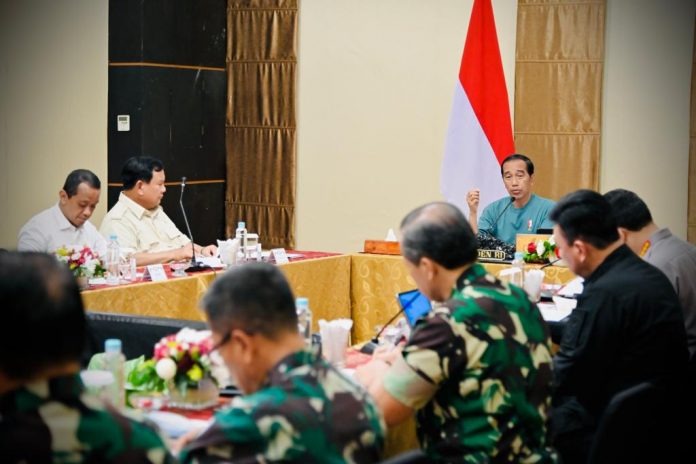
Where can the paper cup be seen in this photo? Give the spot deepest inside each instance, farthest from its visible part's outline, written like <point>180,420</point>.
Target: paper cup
<point>532,284</point>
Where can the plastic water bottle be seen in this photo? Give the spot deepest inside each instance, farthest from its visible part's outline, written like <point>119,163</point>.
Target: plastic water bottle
<point>113,256</point>
<point>114,362</point>
<point>304,319</point>
<point>517,278</point>
<point>241,235</point>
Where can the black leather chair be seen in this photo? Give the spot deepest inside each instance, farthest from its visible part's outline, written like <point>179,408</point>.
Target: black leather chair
<point>639,425</point>
<point>408,457</point>
<point>138,334</point>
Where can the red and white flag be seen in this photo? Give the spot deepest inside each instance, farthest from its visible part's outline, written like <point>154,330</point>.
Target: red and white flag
<point>480,134</point>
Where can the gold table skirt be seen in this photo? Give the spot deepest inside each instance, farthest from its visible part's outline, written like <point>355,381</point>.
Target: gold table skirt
<point>358,286</point>
<point>325,281</point>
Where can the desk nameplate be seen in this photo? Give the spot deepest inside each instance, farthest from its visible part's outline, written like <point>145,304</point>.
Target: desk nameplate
<point>497,256</point>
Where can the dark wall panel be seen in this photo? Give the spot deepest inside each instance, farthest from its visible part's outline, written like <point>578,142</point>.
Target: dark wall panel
<point>184,32</point>
<point>177,113</point>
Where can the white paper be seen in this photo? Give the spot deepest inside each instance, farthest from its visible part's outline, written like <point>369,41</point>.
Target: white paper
<point>574,287</point>
<point>280,256</point>
<point>391,236</point>
<point>211,261</point>
<point>558,310</point>
<point>175,425</point>
<point>156,272</point>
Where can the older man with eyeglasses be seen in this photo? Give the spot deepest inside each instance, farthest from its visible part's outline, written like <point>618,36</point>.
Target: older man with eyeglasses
<point>296,407</point>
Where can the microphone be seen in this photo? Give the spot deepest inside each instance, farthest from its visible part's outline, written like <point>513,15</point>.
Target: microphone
<point>195,265</point>
<point>369,347</point>
<point>550,263</point>
<point>512,200</point>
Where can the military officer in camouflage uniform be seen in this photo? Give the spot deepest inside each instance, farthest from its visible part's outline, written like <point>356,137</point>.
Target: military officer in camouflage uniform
<point>296,408</point>
<point>44,414</point>
<point>477,368</point>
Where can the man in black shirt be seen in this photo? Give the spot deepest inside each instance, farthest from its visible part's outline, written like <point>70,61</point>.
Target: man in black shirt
<point>627,327</point>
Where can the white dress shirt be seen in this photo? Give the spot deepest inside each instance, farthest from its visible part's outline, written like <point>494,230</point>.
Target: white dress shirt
<point>50,230</point>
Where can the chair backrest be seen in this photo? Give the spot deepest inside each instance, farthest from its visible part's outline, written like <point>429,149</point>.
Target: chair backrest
<point>638,425</point>
<point>138,334</point>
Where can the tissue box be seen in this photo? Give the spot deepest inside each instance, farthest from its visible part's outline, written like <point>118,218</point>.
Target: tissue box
<point>382,247</point>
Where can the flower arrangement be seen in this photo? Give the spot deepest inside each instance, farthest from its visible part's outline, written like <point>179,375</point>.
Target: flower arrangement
<point>541,251</point>
<point>83,262</point>
<point>183,358</point>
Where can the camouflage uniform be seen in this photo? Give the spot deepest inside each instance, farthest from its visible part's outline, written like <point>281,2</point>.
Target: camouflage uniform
<point>54,421</point>
<point>305,412</point>
<point>478,371</point>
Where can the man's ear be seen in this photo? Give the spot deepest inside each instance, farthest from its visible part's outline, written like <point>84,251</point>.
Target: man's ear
<point>428,265</point>
<point>623,234</point>
<point>62,196</point>
<point>245,346</point>
<point>581,250</point>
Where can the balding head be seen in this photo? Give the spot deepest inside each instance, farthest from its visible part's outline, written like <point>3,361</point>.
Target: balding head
<point>438,231</point>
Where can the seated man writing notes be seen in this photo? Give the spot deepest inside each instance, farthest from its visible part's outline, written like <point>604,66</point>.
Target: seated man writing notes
<point>67,222</point>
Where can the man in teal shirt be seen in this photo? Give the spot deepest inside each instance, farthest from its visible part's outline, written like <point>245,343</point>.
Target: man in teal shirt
<point>521,213</point>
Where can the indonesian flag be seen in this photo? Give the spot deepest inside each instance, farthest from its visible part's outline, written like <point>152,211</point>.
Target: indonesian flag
<point>479,137</point>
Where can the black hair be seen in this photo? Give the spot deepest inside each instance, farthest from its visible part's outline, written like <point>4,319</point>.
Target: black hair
<point>43,313</point>
<point>77,177</point>
<point>255,298</point>
<point>517,156</point>
<point>628,209</point>
<point>586,215</point>
<point>139,168</point>
<point>438,231</point>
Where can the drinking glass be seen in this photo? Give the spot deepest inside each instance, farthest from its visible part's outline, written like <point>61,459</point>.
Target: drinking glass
<point>178,269</point>
<point>124,269</point>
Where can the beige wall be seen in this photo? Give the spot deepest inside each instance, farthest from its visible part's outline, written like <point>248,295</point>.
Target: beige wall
<point>375,87</point>
<point>647,82</point>
<point>53,103</point>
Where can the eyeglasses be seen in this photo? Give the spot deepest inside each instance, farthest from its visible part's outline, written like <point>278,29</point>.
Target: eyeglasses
<point>226,338</point>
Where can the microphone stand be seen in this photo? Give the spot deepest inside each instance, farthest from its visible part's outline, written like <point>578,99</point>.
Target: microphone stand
<point>512,200</point>
<point>195,265</point>
<point>550,263</point>
<point>369,347</point>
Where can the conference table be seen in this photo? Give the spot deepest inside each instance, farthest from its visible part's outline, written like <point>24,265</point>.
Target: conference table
<point>357,286</point>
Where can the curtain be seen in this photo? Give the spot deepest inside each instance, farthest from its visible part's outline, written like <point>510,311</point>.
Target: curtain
<point>691,219</point>
<point>260,122</point>
<point>558,91</point>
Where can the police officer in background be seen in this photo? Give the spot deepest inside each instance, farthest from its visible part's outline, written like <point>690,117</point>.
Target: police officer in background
<point>44,415</point>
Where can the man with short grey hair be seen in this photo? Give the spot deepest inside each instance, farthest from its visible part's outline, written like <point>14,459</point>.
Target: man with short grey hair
<point>476,370</point>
